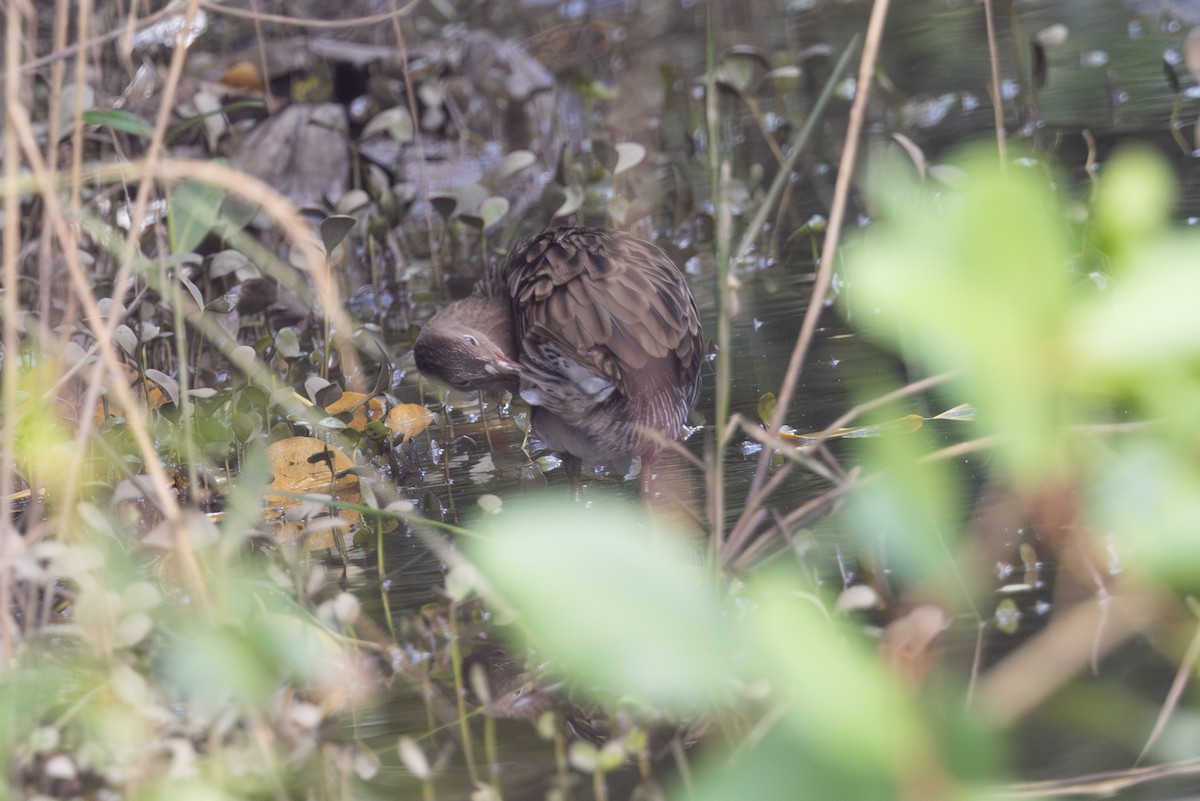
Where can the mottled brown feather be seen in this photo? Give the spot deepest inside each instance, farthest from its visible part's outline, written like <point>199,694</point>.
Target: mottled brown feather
<point>568,291</point>
<point>605,331</point>
<point>619,306</point>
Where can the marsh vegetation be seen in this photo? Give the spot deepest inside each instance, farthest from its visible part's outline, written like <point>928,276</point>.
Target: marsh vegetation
<point>932,530</point>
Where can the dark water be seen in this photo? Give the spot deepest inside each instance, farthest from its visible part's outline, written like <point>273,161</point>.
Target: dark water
<point>1107,79</point>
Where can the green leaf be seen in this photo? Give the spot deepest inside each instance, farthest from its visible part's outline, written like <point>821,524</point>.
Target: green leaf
<point>287,343</point>
<point>909,510</point>
<point>766,407</point>
<point>976,282</point>
<point>119,120</point>
<point>1148,496</point>
<point>771,766</point>
<point>192,211</point>
<point>516,161</point>
<point>443,203</point>
<point>573,199</point>
<point>1149,320</point>
<point>612,600</point>
<point>1133,203</point>
<point>843,703</point>
<point>492,210</point>
<point>395,122</point>
<point>334,229</point>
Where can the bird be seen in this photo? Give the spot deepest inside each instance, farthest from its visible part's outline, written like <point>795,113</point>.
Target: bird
<point>595,329</point>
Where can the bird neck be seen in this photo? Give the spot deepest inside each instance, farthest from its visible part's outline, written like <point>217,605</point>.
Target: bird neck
<point>489,313</point>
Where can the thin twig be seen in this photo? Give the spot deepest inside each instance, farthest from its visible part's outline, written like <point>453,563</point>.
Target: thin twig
<point>1105,784</point>
<point>718,170</point>
<point>837,217</point>
<point>154,153</point>
<point>1186,668</point>
<point>745,526</point>
<point>800,454</point>
<point>16,13</point>
<point>912,388</point>
<point>58,73</point>
<point>103,328</point>
<point>997,98</point>
<point>819,505</point>
<point>78,129</point>
<point>62,54</point>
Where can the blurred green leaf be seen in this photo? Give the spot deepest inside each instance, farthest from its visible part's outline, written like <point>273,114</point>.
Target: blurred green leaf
<point>1133,202</point>
<point>1148,322</point>
<point>119,120</point>
<point>843,704</point>
<point>192,211</point>
<point>975,282</point>
<point>287,343</point>
<point>516,161</point>
<point>980,281</point>
<point>612,599</point>
<point>444,203</point>
<point>774,767</point>
<point>910,511</point>
<point>218,664</point>
<point>1148,497</point>
<point>236,214</point>
<point>395,122</point>
<point>244,502</point>
<point>266,642</point>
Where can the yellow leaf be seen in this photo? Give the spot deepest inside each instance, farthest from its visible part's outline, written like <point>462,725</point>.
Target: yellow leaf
<point>243,75</point>
<point>363,409</point>
<point>308,466</point>
<point>408,419</point>
<point>903,425</point>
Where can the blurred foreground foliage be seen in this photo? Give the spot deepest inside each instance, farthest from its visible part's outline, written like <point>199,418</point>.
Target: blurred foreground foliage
<point>1070,327</point>
<point>1066,324</point>
<point>1077,343</point>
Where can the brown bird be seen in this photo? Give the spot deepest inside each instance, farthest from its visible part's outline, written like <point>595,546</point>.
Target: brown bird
<point>598,332</point>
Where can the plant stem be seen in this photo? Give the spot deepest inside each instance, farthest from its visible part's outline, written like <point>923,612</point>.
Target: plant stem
<point>10,300</point>
<point>997,98</point>
<point>459,700</point>
<point>719,175</point>
<point>837,215</point>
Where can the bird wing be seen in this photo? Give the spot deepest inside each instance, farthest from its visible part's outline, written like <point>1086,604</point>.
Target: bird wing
<point>611,302</point>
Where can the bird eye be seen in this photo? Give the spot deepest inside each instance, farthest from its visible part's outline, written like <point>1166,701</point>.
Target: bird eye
<point>470,340</point>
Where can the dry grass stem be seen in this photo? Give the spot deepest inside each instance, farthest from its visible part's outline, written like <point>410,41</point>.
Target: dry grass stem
<point>1106,784</point>
<point>832,238</point>
<point>1187,668</point>
<point>9,546</point>
<point>997,98</point>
